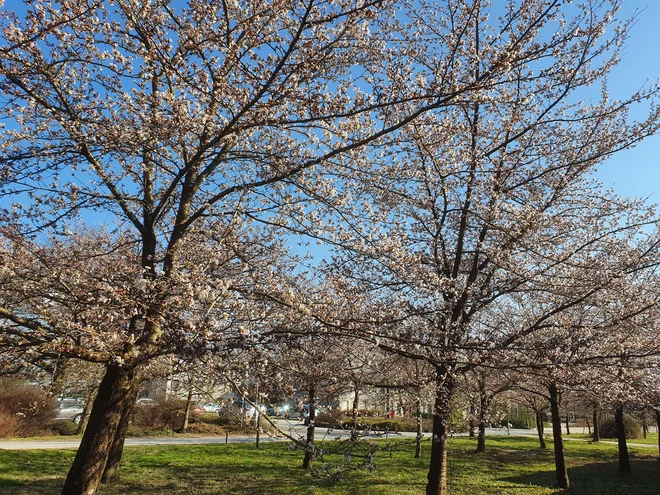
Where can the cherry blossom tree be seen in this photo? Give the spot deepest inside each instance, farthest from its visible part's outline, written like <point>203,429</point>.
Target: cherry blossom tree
<point>480,206</point>
<point>154,117</point>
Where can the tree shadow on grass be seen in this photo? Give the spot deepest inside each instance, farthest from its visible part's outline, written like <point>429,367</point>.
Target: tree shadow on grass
<point>601,478</point>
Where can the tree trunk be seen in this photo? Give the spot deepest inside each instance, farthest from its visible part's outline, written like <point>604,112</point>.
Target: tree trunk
<point>471,422</point>
<point>539,429</point>
<point>309,442</point>
<point>481,438</point>
<point>657,427</point>
<point>87,408</point>
<point>110,474</point>
<point>483,411</point>
<point>624,460</point>
<point>186,412</point>
<point>645,426</point>
<point>586,419</point>
<point>258,424</point>
<point>88,466</point>
<point>356,403</point>
<point>418,438</point>
<point>437,477</point>
<point>560,460</point>
<point>568,430</point>
<point>596,426</point>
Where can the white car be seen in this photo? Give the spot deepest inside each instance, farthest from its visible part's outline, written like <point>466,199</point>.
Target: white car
<point>211,407</point>
<point>69,408</point>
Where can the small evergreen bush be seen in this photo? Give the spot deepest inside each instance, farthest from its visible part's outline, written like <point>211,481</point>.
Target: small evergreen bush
<point>630,426</point>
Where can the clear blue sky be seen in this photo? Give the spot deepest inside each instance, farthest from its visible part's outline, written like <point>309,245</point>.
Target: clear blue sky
<point>636,172</point>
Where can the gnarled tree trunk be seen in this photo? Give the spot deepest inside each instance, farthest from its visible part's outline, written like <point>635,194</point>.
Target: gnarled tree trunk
<point>624,459</point>
<point>88,466</point>
<point>560,460</point>
<point>111,471</point>
<point>437,484</point>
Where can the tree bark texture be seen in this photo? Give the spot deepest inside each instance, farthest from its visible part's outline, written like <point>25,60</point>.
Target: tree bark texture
<point>645,426</point>
<point>111,472</point>
<point>186,412</point>
<point>309,441</point>
<point>596,426</point>
<point>481,439</point>
<point>657,424</point>
<point>560,461</point>
<point>624,459</point>
<point>356,403</point>
<point>437,477</point>
<point>418,438</point>
<point>540,428</point>
<point>258,426</point>
<point>87,409</point>
<point>88,466</point>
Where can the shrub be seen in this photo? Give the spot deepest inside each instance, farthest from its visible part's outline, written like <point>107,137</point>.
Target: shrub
<point>160,414</point>
<point>630,426</point>
<point>231,421</point>
<point>9,425</point>
<point>63,427</point>
<point>337,419</point>
<point>518,423</point>
<point>206,418</point>
<point>25,409</point>
<point>331,419</point>
<point>388,424</point>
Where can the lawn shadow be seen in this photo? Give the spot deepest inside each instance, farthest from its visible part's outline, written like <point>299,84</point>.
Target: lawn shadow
<point>599,479</point>
<point>10,486</point>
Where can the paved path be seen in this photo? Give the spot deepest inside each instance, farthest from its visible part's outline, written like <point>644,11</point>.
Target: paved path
<point>292,428</point>
<point>296,430</point>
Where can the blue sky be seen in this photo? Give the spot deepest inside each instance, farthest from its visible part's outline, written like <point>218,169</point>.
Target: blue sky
<point>636,172</point>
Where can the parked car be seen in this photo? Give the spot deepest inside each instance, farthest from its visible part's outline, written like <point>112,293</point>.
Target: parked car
<point>210,407</point>
<point>69,408</point>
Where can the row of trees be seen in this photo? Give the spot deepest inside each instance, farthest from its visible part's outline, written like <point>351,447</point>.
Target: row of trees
<point>156,157</point>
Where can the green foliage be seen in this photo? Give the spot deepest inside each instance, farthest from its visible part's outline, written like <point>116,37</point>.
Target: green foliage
<point>63,427</point>
<point>630,426</point>
<point>519,423</point>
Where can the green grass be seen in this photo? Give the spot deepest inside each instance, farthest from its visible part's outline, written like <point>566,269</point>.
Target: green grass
<point>513,465</point>
<point>651,438</point>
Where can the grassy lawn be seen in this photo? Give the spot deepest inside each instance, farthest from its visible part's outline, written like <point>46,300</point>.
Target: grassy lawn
<point>513,465</point>
<point>651,438</point>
